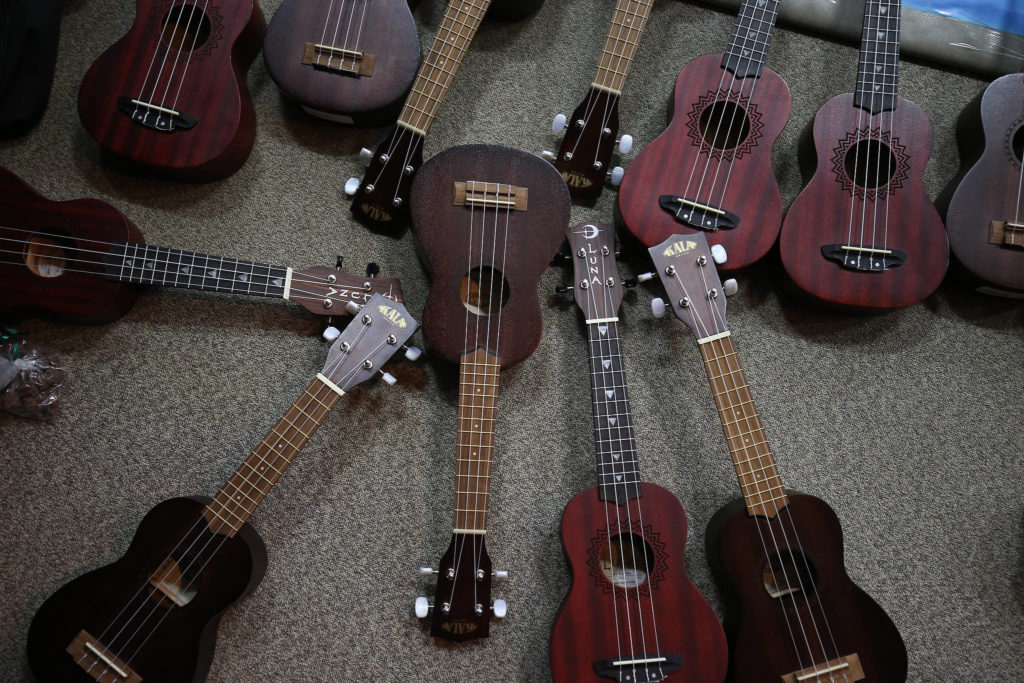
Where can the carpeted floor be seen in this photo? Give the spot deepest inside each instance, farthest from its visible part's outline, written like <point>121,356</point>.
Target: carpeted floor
<point>907,423</point>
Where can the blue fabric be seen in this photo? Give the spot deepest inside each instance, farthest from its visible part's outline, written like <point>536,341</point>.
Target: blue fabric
<point>1003,15</point>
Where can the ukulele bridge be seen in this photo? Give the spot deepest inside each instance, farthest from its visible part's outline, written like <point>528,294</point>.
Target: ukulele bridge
<point>696,215</point>
<point>648,667</point>
<point>350,62</point>
<point>848,667</point>
<point>864,259</point>
<point>154,116</point>
<point>493,195</point>
<point>1006,234</point>
<point>99,662</point>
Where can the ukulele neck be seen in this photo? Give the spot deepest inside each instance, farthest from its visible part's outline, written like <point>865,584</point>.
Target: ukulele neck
<point>478,406</point>
<point>751,453</point>
<point>618,470</point>
<point>252,481</point>
<point>148,265</point>
<point>751,36</point>
<point>458,26</point>
<point>878,68</point>
<point>620,45</point>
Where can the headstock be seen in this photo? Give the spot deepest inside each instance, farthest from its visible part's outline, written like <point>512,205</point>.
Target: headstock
<point>462,605</point>
<point>687,270</point>
<point>375,334</point>
<point>323,290</point>
<point>596,284</point>
<point>381,200</point>
<point>586,151</point>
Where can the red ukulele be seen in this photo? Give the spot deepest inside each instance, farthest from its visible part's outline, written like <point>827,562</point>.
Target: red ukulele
<point>171,95</point>
<point>711,171</point>
<point>797,617</point>
<point>632,613</point>
<point>863,232</point>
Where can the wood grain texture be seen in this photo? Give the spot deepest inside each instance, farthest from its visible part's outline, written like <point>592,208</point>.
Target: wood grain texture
<point>682,620</point>
<point>760,645</point>
<point>29,33</point>
<point>676,161</point>
<point>385,30</point>
<point>822,212</point>
<point>181,646</point>
<point>443,233</point>
<point>214,91</point>
<point>589,145</point>
<point>990,190</point>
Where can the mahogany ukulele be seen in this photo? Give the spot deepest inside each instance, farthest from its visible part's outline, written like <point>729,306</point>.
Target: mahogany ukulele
<point>84,262</point>
<point>348,61</point>
<point>589,140</point>
<point>488,220</point>
<point>863,232</point>
<point>152,615</point>
<point>29,34</point>
<point>797,615</point>
<point>711,170</point>
<point>632,613</point>
<point>171,95</point>
<point>985,217</point>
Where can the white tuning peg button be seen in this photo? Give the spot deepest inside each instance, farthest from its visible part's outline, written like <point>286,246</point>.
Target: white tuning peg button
<point>625,144</point>
<point>547,155</point>
<point>427,571</point>
<point>352,307</point>
<point>388,378</point>
<point>331,333</point>
<point>366,155</point>
<point>558,123</point>
<point>351,187</point>
<point>718,254</point>
<point>645,277</point>
<point>616,175</point>
<point>730,287</point>
<point>500,609</point>
<point>413,352</point>
<point>658,307</point>
<point>501,574</point>
<point>422,607</point>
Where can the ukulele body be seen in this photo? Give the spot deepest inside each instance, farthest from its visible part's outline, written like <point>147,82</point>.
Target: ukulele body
<point>675,162</point>
<point>991,188</point>
<point>33,279</point>
<point>386,31</point>
<point>512,10</point>
<point>585,630</point>
<point>29,33</point>
<point>760,645</point>
<point>525,242</point>
<point>181,647</point>
<point>832,209</point>
<point>213,93</point>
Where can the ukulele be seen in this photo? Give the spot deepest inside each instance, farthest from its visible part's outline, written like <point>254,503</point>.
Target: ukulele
<point>348,61</point>
<point>863,232</point>
<point>29,33</point>
<point>711,170</point>
<point>590,134</point>
<point>171,95</point>
<point>83,261</point>
<point>488,220</point>
<point>152,615</point>
<point>798,616</point>
<point>632,613</point>
<point>985,217</point>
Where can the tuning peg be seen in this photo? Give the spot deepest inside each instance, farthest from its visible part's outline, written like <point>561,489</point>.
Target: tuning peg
<point>547,155</point>
<point>629,282</point>
<point>427,571</point>
<point>615,176</point>
<point>500,574</point>
<point>331,333</point>
<point>658,307</point>
<point>388,378</point>
<point>500,608</point>
<point>562,289</point>
<point>352,307</point>
<point>372,269</point>
<point>351,187</point>
<point>625,144</point>
<point>558,123</point>
<point>412,352</point>
<point>718,254</point>
<point>422,607</point>
<point>560,259</point>
<point>730,286</point>
<point>366,155</point>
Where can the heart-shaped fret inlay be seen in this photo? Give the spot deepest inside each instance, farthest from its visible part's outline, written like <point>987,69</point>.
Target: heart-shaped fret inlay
<point>603,329</point>
<point>612,420</point>
<point>277,282</point>
<point>609,392</point>
<point>618,477</point>
<point>606,363</point>
<point>878,68</point>
<point>128,262</point>
<point>212,273</point>
<point>883,10</point>
<point>615,456</point>
<point>881,34</point>
<point>185,269</point>
<point>243,277</point>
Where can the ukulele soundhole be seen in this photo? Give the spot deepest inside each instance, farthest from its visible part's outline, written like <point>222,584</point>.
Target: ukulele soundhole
<point>484,291</point>
<point>870,163</point>
<point>626,560</point>
<point>1017,144</point>
<point>172,585</point>
<point>45,257</point>
<point>724,125</point>
<point>185,28</point>
<point>788,575</point>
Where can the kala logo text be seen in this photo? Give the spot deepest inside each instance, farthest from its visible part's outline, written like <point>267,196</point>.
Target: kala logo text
<point>679,248</point>
<point>393,315</point>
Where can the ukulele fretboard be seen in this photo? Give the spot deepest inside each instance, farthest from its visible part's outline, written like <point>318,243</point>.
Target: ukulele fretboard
<point>751,36</point>
<point>478,406</point>
<point>620,45</point>
<point>878,68</point>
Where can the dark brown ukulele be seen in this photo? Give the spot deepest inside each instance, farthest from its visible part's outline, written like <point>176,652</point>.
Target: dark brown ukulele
<point>863,232</point>
<point>985,217</point>
<point>171,95</point>
<point>797,616</point>
<point>83,261</point>
<point>152,615</point>
<point>29,35</point>
<point>711,170</point>
<point>632,613</point>
<point>590,134</point>
<point>348,61</point>
<point>488,220</point>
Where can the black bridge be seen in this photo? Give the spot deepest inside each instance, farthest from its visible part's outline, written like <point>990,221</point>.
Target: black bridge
<point>697,215</point>
<point>154,116</point>
<point>638,668</point>
<point>864,259</point>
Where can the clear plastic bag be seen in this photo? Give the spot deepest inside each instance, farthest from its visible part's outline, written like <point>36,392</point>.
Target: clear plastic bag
<point>35,389</point>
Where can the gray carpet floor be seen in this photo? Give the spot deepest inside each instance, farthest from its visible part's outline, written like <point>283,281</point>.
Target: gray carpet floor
<point>907,423</point>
